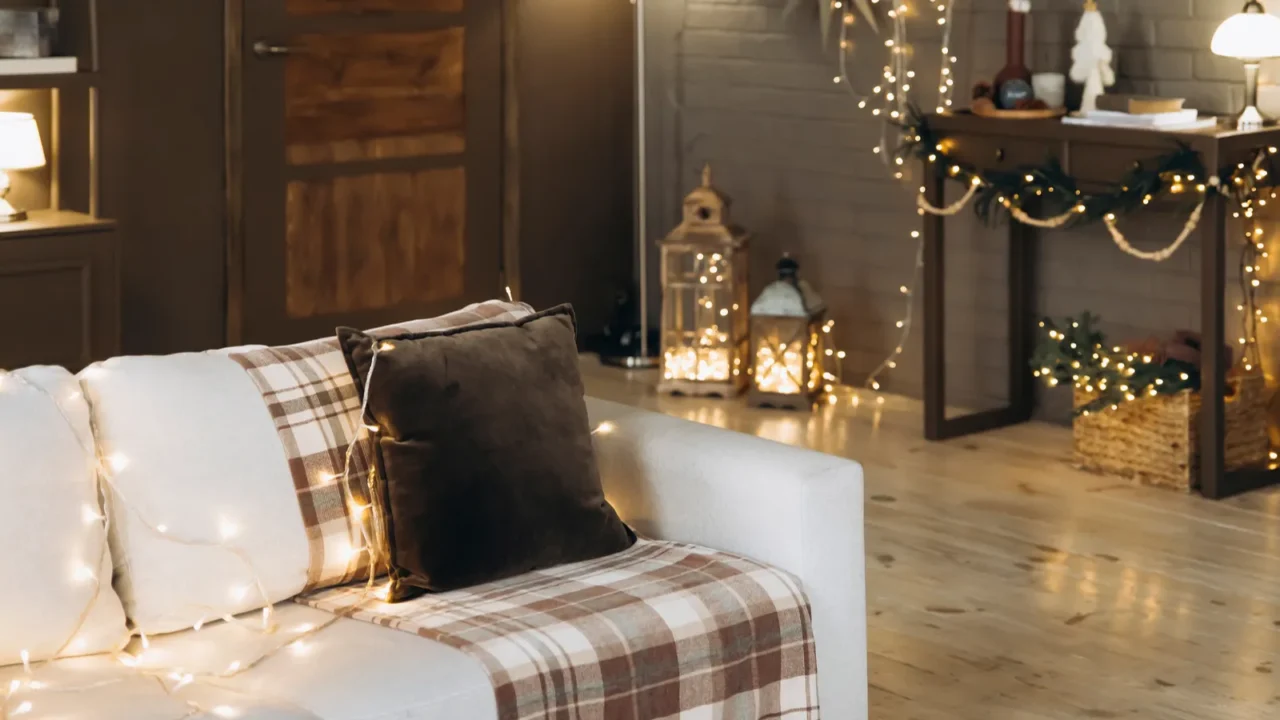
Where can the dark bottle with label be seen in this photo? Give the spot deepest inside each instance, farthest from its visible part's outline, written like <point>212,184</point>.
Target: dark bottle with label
<point>1013,83</point>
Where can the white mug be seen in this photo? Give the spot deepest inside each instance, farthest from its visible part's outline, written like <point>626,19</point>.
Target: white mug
<point>1051,88</point>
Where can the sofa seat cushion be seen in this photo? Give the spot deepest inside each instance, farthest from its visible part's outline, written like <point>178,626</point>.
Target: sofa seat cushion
<point>351,670</point>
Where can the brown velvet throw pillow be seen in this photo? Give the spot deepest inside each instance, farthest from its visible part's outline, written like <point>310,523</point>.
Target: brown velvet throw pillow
<point>484,452</point>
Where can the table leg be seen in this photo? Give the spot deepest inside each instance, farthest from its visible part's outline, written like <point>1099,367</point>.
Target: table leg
<point>937,426</point>
<point>1213,268</point>
<point>1022,268</point>
<point>935,372</point>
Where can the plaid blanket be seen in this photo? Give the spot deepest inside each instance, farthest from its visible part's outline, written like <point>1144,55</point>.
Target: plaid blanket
<point>661,630</point>
<point>313,401</point>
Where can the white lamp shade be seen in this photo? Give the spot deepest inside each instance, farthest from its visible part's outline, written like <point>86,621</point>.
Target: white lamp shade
<point>20,147</point>
<point>1248,36</point>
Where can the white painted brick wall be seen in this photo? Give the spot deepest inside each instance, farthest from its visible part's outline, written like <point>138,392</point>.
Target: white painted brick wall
<point>750,90</point>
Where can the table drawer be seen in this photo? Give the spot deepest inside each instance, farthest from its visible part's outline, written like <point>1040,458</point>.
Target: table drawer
<point>987,152</point>
<point>1108,164</point>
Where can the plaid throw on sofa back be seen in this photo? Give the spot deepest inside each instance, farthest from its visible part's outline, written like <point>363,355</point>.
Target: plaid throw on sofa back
<point>662,630</point>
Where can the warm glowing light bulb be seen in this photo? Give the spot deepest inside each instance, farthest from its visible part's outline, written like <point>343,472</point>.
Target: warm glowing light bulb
<point>118,462</point>
<point>227,529</point>
<point>83,573</point>
<point>604,428</point>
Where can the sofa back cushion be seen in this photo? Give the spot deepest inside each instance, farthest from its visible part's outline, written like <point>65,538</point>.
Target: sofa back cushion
<point>56,564</point>
<point>228,494</point>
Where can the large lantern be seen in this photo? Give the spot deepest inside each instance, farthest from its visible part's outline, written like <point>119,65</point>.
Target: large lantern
<point>786,342</point>
<point>704,299</point>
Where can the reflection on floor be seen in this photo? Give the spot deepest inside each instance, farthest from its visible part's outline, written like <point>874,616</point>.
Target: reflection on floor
<point>1004,584</point>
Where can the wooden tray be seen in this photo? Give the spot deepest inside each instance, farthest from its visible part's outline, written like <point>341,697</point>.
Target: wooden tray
<point>982,110</point>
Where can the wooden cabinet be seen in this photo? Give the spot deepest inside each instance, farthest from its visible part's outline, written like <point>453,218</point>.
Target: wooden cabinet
<point>59,290</point>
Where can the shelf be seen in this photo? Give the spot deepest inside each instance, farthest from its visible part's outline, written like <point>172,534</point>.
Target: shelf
<point>42,81</point>
<point>53,222</point>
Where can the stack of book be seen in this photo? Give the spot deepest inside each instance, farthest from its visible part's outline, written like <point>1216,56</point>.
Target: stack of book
<point>1130,111</point>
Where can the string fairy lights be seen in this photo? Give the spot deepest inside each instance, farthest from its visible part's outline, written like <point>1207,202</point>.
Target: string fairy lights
<point>16,699</point>
<point>889,101</point>
<point>1247,185</point>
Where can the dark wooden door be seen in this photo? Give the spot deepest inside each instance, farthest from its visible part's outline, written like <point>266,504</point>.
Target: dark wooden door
<point>370,163</point>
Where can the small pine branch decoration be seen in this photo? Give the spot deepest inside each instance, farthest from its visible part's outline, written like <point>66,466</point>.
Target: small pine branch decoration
<point>1076,352</point>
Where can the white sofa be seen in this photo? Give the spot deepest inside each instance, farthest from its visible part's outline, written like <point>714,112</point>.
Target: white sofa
<point>670,479</point>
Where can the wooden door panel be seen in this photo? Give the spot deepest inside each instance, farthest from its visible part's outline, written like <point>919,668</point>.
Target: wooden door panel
<point>372,163</point>
<point>361,242</point>
<point>323,7</point>
<point>375,95</point>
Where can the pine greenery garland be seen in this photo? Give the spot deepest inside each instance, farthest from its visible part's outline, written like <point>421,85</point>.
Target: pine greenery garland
<point>1050,188</point>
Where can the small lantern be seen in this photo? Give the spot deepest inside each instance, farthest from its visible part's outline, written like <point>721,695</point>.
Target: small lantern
<point>786,337</point>
<point>704,299</point>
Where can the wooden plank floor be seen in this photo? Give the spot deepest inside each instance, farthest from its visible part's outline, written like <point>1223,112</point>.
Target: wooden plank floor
<point>1002,584</point>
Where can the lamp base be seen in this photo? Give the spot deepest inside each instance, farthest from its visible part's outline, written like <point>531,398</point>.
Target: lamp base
<point>9,213</point>
<point>1250,119</point>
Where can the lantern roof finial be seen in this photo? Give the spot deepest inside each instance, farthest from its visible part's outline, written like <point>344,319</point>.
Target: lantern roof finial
<point>788,296</point>
<point>787,267</point>
<point>706,175</point>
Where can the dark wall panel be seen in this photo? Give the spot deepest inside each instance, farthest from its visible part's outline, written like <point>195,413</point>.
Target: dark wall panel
<point>574,72</point>
<point>162,167</point>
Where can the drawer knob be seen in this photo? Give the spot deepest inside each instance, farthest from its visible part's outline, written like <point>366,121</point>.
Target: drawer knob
<point>999,154</point>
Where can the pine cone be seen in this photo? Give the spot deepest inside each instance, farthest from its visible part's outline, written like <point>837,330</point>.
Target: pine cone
<point>983,90</point>
<point>1031,104</point>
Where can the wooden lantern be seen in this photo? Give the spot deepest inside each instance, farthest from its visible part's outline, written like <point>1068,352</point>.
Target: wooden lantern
<point>786,342</point>
<point>704,299</point>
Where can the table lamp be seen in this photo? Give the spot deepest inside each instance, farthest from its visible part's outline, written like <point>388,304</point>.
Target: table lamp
<point>1252,35</point>
<point>20,149</point>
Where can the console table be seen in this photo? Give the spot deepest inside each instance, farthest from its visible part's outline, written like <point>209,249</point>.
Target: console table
<point>1092,155</point>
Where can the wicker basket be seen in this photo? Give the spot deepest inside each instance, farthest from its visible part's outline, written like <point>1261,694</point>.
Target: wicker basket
<point>1155,440</point>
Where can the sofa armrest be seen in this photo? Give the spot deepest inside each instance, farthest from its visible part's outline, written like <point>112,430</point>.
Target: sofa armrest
<point>795,509</point>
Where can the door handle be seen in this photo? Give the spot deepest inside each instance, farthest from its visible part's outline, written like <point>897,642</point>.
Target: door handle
<point>264,49</point>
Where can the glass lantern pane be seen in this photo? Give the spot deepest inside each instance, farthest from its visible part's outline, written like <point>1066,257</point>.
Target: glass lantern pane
<point>700,307</point>
<point>784,351</point>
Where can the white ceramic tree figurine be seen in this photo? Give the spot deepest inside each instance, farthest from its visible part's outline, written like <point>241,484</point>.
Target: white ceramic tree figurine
<point>1091,58</point>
